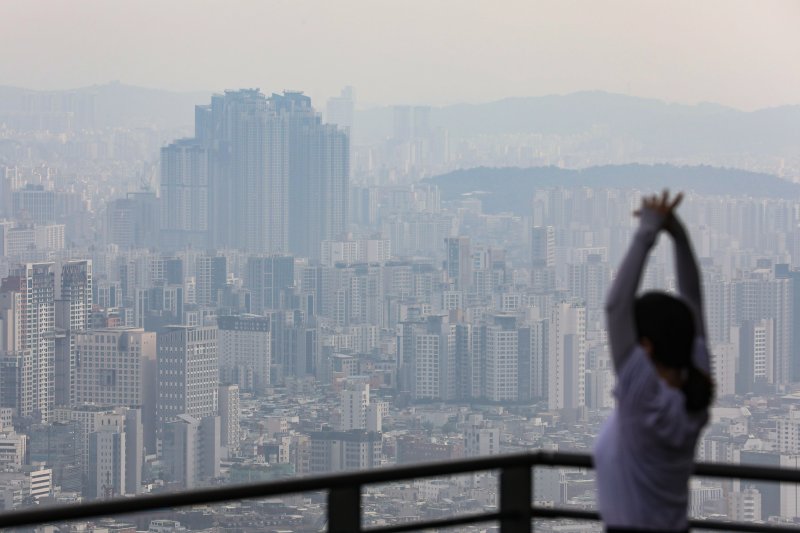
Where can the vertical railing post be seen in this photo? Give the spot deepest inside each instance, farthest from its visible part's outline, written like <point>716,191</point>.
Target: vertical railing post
<point>515,499</point>
<point>344,509</point>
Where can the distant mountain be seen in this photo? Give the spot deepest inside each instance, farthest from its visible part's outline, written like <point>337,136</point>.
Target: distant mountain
<point>120,105</point>
<point>511,189</point>
<point>662,129</point>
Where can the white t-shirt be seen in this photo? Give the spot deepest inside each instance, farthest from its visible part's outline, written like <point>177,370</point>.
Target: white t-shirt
<point>644,454</point>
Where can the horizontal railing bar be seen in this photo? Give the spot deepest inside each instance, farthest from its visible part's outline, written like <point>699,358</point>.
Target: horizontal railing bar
<point>263,489</point>
<point>439,523</point>
<point>751,472</point>
<point>121,506</point>
<point>560,512</point>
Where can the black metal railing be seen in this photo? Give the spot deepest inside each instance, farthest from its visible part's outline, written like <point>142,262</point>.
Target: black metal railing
<point>515,512</point>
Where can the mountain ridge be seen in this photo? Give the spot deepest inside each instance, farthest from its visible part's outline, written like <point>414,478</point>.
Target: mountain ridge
<point>511,188</point>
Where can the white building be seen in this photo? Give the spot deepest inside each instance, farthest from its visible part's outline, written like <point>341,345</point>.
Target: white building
<point>188,373</point>
<point>245,354</point>
<point>502,359</point>
<point>353,402</point>
<point>27,299</point>
<point>567,357</point>
<point>229,413</point>
<point>744,505</point>
<point>480,438</point>
<point>191,450</point>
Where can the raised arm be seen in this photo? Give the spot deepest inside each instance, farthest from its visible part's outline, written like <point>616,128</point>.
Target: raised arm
<point>621,298</point>
<point>689,285</point>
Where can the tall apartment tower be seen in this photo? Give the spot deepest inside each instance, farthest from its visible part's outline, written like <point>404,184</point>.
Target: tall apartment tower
<point>245,351</point>
<point>188,373</point>
<point>211,276</point>
<point>267,279</point>
<point>75,290</point>
<point>73,307</point>
<point>248,172</point>
<point>185,195</point>
<point>502,359</point>
<point>261,174</point>
<point>458,262</point>
<point>319,173</point>
<point>30,292</point>
<point>543,258</point>
<point>567,357</point>
<point>229,414</point>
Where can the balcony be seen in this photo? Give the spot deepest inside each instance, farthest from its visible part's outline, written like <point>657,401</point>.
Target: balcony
<point>515,512</point>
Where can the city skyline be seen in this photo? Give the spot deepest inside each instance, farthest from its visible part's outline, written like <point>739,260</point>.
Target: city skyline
<point>326,264</point>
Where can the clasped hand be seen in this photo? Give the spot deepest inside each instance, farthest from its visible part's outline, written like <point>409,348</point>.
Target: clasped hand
<point>664,206</point>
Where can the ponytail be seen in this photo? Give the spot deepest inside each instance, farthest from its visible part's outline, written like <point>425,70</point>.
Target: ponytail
<point>698,389</point>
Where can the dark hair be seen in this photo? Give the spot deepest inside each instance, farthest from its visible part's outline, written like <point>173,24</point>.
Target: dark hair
<point>668,323</point>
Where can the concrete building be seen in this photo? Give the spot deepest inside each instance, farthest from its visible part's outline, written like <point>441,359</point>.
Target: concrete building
<point>185,195</point>
<point>188,373</point>
<point>480,438</point>
<point>229,414</point>
<point>338,451</point>
<point>502,359</point>
<point>567,357</point>
<point>245,351</point>
<point>191,451</point>
<point>27,300</point>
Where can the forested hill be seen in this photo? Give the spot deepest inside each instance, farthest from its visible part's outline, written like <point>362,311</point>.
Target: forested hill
<point>510,189</point>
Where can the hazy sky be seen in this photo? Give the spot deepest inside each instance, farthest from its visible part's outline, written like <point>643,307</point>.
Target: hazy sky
<point>740,53</point>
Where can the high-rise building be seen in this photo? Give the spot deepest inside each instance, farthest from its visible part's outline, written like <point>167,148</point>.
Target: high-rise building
<point>191,450</point>
<point>566,365</point>
<point>73,307</point>
<point>248,172</point>
<point>543,258</point>
<point>319,173</point>
<point>185,195</point>
<point>133,221</point>
<point>188,373</point>
<point>340,109</point>
<point>268,279</point>
<point>261,174</point>
<point>34,204</point>
<point>115,367</point>
<point>760,296</point>
<point>245,351</point>
<point>74,287</point>
<point>588,281</point>
<point>502,359</point>
<point>211,277</point>
<point>28,295</point>
<point>458,263</point>
<point>113,461</point>
<point>229,413</point>
<point>755,341</point>
<point>107,459</point>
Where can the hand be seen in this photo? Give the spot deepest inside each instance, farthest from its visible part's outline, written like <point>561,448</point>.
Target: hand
<point>661,205</point>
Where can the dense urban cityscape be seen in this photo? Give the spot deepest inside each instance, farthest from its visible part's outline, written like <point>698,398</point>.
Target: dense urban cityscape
<point>260,315</point>
<point>199,290</point>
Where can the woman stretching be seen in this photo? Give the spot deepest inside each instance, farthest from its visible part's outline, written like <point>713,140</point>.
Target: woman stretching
<point>644,455</point>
